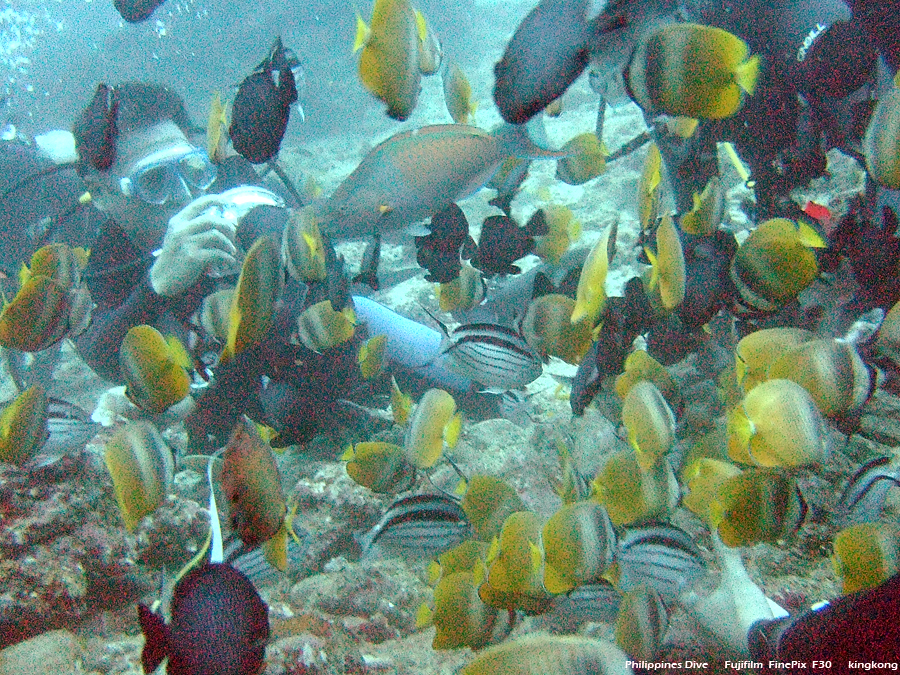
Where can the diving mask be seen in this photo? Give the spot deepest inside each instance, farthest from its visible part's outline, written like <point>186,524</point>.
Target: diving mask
<point>165,174</point>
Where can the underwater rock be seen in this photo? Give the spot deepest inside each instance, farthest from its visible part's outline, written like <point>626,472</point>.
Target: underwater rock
<point>382,593</point>
<point>172,535</point>
<point>53,652</point>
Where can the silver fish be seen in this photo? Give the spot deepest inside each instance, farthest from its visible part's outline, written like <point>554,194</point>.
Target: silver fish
<point>420,526</point>
<point>491,354</point>
<point>663,558</point>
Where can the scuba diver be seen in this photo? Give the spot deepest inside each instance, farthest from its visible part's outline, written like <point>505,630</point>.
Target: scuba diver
<point>170,238</point>
<point>816,62</point>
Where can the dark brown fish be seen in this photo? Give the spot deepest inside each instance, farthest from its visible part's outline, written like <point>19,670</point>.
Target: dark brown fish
<point>135,11</point>
<point>96,131</point>
<point>547,53</point>
<point>261,108</point>
<point>219,626</point>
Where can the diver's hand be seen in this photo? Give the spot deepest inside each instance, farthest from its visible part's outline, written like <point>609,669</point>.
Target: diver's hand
<point>199,237</point>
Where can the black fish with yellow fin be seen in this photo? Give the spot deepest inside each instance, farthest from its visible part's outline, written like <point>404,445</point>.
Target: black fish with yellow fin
<point>501,243</point>
<point>439,252</point>
<point>262,106</point>
<point>219,626</point>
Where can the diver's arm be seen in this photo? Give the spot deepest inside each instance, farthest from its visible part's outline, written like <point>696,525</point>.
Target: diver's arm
<point>99,344</point>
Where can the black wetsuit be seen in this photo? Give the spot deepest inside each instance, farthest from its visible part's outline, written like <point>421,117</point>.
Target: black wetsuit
<point>814,56</point>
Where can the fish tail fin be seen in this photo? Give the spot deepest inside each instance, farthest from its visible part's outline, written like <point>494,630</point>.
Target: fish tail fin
<point>156,646</point>
<point>362,33</point>
<point>524,142</point>
<point>747,73</point>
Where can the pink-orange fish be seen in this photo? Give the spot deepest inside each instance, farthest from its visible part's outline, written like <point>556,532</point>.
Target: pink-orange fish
<point>415,174</point>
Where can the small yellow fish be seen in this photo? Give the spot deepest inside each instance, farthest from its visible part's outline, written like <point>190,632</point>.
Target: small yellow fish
<point>579,544</point>
<point>465,292</point>
<point>586,159</point>
<point>866,555</point>
<point>434,423</point>
<point>882,141</point>
<point>389,62</point>
<point>216,137</point>
<point>37,317</point>
<point>458,94</point>
<point>709,207</point>
<point>760,349</point>
<point>548,330</point>
<point>590,297</point>
<point>401,404</point>
<point>641,366</point>
<point>23,426</point>
<point>832,371</point>
<point>649,187</point>
<point>253,301</point>
<point>563,228</point>
<point>515,561</point>
<point>431,53</point>
<point>777,424</point>
<point>381,467</point>
<point>650,423</point>
<point>302,247</point>
<point>631,494</point>
<point>704,478</point>
<point>758,505</point>
<point>668,275</point>
<point>371,356</point>
<point>461,618</point>
<point>488,502</point>
<point>155,369</point>
<point>321,328</point>
<point>142,467</point>
<point>692,70</point>
<point>641,623</point>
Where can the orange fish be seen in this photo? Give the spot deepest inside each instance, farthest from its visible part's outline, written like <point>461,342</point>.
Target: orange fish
<point>416,174</point>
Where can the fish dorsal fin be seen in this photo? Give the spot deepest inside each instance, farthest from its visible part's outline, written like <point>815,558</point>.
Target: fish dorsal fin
<point>440,323</point>
<point>362,33</point>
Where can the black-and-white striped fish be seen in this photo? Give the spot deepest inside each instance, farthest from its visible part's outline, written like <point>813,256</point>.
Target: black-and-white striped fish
<point>420,526</point>
<point>491,354</point>
<point>664,558</point>
<point>863,499</point>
